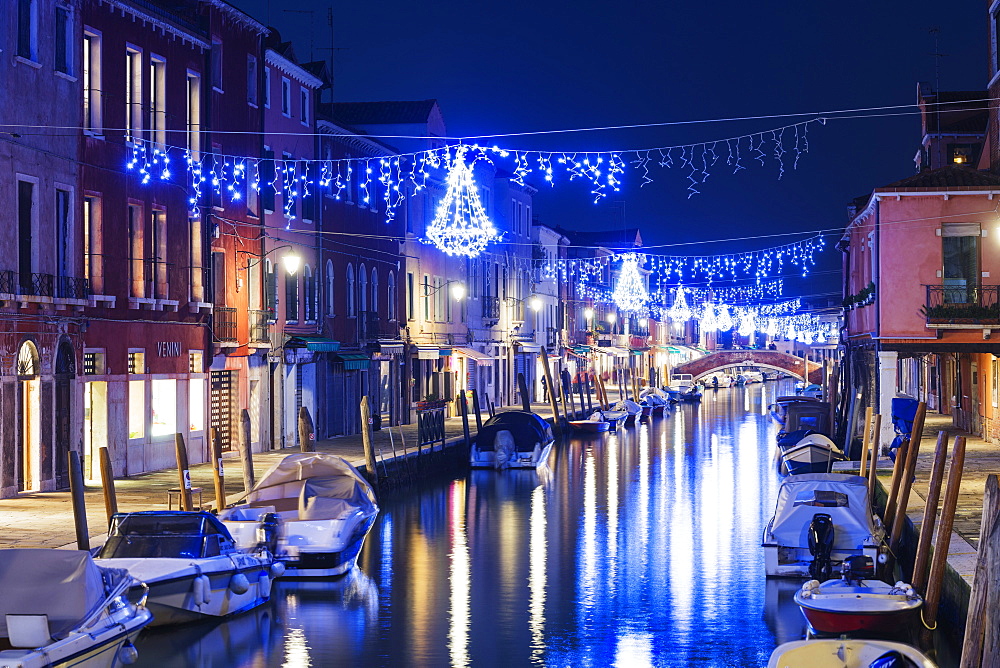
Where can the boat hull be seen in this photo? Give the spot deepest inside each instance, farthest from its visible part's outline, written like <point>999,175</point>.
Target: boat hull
<point>589,426</point>
<point>871,606</point>
<point>97,649</point>
<point>793,562</point>
<point>835,623</point>
<point>841,653</point>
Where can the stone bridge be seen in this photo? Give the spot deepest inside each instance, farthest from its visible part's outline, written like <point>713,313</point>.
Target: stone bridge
<point>766,359</point>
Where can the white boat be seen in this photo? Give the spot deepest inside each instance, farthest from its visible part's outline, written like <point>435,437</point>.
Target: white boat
<point>512,439</point>
<point>806,451</point>
<point>819,520</point>
<point>679,384</point>
<point>190,563</point>
<point>324,509</point>
<point>58,608</point>
<point>845,653</point>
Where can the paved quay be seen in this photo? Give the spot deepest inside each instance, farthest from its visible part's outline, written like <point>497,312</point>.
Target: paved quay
<point>45,519</point>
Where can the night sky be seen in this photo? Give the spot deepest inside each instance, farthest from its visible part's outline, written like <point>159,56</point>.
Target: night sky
<point>517,67</point>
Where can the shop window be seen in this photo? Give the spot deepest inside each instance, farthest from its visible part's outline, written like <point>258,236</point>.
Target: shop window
<point>136,409</point>
<point>93,363</point>
<point>196,363</point>
<point>164,407</point>
<point>196,404</point>
<point>136,361</point>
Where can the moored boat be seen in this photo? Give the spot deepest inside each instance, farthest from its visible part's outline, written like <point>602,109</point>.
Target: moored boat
<point>779,409</point>
<point>324,509</point>
<point>857,602</point>
<point>190,564</point>
<point>615,419</point>
<point>847,653</point>
<point>806,451</point>
<point>512,439</point>
<point>589,426</point>
<point>59,608</point>
<point>819,520</point>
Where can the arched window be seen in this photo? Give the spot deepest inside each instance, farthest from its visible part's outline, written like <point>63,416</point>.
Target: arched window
<point>291,297</point>
<point>390,308</point>
<point>329,288</point>
<point>351,312</point>
<point>363,289</point>
<point>309,294</point>
<point>374,304</point>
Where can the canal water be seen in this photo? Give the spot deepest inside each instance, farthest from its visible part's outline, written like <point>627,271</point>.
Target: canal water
<point>640,548</point>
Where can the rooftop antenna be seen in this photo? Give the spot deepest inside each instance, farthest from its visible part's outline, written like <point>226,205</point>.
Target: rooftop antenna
<point>937,93</point>
<point>312,26</point>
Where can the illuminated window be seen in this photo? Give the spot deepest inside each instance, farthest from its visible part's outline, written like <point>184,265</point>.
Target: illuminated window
<point>196,362</point>
<point>196,404</point>
<point>164,405</point>
<point>136,409</point>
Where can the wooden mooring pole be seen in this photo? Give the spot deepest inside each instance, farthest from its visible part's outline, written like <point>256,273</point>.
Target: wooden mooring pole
<point>522,388</point>
<point>897,472</point>
<point>981,644</point>
<point>476,410</point>
<point>940,558</point>
<point>246,452</point>
<point>464,405</point>
<point>876,446</point>
<point>108,482</point>
<point>866,442</point>
<point>183,472</point>
<point>552,396</point>
<point>366,439</point>
<point>307,434</point>
<point>218,472</point>
<point>919,578</point>
<point>916,434</point>
<point>79,501</point>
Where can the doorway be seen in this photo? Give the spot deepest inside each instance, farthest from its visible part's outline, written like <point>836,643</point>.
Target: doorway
<point>31,428</point>
<point>65,373</point>
<point>95,429</point>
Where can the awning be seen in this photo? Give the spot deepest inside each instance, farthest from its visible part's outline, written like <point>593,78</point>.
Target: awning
<point>428,352</point>
<point>480,358</point>
<point>353,361</point>
<point>390,347</point>
<point>639,350</point>
<point>614,352</point>
<point>317,344</point>
<point>528,347</point>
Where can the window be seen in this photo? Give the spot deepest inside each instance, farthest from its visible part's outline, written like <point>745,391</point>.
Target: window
<point>286,97</point>
<point>427,298</point>
<point>996,40</point>
<point>350,180</point>
<point>291,297</point>
<point>196,361</point>
<point>197,279</point>
<point>350,291</point>
<point>194,114</point>
<point>410,298</point>
<point>390,310</point>
<point>136,408</point>
<point>304,106</point>
<point>27,215</point>
<point>252,81</point>
<point>363,289</point>
<point>309,294</point>
<point>27,29</point>
<point>329,288</point>
<point>289,203</point>
<point>133,94</point>
<point>217,64</point>
<point>164,407</point>
<point>158,101</point>
<point>64,41</point>
<point>196,404</point>
<point>267,173</point>
<point>267,87</point>
<point>962,154</point>
<point>94,363</point>
<point>270,288</point>
<point>374,304</point>
<point>64,237</point>
<point>136,361</point>
<point>92,104</point>
<point>136,254</point>
<point>93,261</point>
<point>158,227</point>
<point>960,255</point>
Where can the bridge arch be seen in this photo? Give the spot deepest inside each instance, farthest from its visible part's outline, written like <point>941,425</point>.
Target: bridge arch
<point>769,359</point>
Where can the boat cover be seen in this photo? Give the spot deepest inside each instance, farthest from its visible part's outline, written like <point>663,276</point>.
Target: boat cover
<point>628,406</point>
<point>66,585</point>
<point>526,428</point>
<point>843,497</point>
<point>808,415</point>
<point>308,475</point>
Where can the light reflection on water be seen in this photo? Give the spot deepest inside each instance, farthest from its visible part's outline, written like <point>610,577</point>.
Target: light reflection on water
<point>640,548</point>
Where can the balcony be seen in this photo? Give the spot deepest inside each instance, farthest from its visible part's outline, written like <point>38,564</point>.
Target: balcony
<point>259,321</point>
<point>491,307</point>
<point>368,325</point>
<point>43,285</point>
<point>957,307</point>
<point>224,324</point>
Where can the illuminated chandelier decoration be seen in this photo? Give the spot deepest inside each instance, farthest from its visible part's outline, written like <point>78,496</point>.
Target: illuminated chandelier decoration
<point>679,311</point>
<point>747,322</point>
<point>708,321</point>
<point>630,290</point>
<point>461,226</point>
<point>724,321</point>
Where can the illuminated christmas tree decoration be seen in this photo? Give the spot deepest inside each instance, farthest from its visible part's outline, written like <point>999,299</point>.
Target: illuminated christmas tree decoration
<point>772,327</point>
<point>460,225</point>
<point>679,310</point>
<point>724,321</point>
<point>708,320</point>
<point>630,290</point>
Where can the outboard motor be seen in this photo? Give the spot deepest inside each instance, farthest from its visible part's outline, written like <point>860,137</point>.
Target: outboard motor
<point>267,532</point>
<point>820,546</point>
<point>857,568</point>
<point>893,659</point>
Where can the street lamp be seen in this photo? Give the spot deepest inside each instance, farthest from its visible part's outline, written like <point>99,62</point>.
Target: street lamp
<point>535,304</point>
<point>611,318</point>
<point>291,261</point>
<point>457,290</point>
<point>588,313</point>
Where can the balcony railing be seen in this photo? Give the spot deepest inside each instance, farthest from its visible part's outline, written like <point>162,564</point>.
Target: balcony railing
<point>967,304</point>
<point>224,323</point>
<point>491,307</point>
<point>368,325</point>
<point>44,285</point>
<point>258,326</point>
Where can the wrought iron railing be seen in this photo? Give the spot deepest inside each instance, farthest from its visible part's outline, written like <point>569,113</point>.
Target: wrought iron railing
<point>972,303</point>
<point>73,288</point>
<point>258,326</point>
<point>368,325</point>
<point>8,282</point>
<point>491,307</point>
<point>224,323</point>
<point>43,285</point>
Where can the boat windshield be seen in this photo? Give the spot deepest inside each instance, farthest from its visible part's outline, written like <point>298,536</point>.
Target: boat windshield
<point>821,498</point>
<point>165,535</point>
<point>175,547</point>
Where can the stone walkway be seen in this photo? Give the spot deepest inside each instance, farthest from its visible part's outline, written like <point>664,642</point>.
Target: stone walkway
<point>45,519</point>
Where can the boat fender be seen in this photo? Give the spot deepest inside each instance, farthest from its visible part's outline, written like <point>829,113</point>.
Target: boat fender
<point>239,584</point>
<point>128,654</point>
<point>264,586</point>
<point>202,590</point>
<point>277,569</point>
